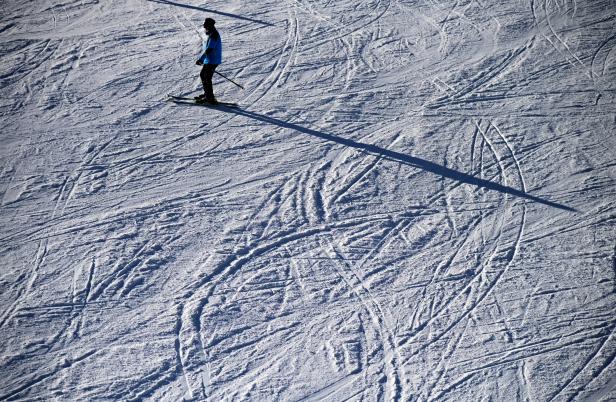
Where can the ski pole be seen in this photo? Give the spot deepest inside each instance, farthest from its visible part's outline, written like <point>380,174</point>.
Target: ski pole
<point>229,79</point>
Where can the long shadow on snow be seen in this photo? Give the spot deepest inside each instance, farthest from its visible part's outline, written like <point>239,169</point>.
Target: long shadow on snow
<point>401,158</point>
<point>207,10</point>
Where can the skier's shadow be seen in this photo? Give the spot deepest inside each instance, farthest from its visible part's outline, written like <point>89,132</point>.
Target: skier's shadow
<point>401,158</point>
<point>210,11</point>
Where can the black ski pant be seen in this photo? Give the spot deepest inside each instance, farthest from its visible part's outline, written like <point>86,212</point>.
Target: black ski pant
<point>207,72</point>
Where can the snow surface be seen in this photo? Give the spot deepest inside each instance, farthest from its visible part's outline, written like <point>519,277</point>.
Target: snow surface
<point>415,201</point>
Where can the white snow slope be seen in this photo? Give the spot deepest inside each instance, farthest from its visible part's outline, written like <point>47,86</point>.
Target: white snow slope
<point>415,201</point>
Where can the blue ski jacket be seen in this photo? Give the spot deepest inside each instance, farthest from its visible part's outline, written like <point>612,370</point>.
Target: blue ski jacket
<point>212,50</point>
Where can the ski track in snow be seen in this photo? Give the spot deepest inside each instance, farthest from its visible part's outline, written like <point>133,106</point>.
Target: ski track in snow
<point>415,201</point>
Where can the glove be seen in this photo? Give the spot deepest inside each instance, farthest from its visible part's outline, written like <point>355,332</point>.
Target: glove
<point>199,63</point>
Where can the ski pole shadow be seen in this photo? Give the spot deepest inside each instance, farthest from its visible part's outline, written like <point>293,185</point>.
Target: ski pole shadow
<point>402,158</point>
<point>210,11</point>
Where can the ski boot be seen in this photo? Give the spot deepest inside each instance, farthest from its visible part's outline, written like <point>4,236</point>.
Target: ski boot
<point>204,99</point>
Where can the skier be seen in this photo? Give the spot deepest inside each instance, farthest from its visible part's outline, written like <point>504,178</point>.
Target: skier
<point>210,59</point>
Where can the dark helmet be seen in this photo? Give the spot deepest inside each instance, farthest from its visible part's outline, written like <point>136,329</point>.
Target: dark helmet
<point>209,23</point>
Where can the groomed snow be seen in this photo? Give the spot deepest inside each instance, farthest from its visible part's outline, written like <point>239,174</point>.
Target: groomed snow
<point>415,201</point>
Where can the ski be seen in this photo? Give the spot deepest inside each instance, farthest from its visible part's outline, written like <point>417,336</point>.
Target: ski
<point>193,101</point>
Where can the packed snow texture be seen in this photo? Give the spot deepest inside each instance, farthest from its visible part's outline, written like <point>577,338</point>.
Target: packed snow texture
<point>414,201</point>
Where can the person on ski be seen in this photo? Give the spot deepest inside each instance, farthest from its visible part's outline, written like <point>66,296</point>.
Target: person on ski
<point>210,59</point>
